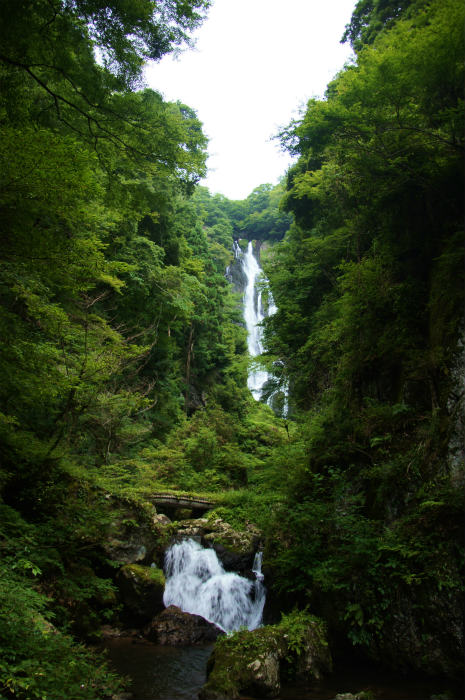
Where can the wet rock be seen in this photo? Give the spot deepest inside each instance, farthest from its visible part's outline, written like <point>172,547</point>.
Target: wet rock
<point>264,681</point>
<point>236,275</point>
<point>173,627</point>
<point>141,590</point>
<point>233,561</point>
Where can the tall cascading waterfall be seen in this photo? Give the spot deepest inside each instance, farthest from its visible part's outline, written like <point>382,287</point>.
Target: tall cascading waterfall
<point>197,583</point>
<point>253,316</point>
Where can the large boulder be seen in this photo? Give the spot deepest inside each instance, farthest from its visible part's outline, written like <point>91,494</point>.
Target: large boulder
<point>137,535</point>
<point>224,538</point>
<point>141,590</point>
<point>125,552</point>
<point>255,662</point>
<point>235,549</point>
<point>174,627</point>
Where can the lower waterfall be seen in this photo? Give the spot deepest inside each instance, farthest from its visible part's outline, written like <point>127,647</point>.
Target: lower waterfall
<point>197,583</point>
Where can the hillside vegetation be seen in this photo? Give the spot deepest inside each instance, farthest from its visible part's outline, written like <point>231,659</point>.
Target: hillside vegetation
<point>123,361</point>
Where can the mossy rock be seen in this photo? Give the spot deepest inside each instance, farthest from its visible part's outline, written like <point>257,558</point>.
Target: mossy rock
<point>183,513</point>
<point>245,663</point>
<point>147,574</point>
<point>235,541</point>
<point>255,662</point>
<point>141,590</point>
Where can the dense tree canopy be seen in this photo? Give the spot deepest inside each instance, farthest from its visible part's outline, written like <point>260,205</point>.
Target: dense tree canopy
<point>258,217</point>
<point>370,17</point>
<point>369,288</point>
<point>115,317</point>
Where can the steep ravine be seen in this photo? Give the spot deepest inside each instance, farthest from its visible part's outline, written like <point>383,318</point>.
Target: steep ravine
<point>201,573</point>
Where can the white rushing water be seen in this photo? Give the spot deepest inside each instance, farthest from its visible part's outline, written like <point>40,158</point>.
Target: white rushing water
<point>197,583</point>
<point>253,316</point>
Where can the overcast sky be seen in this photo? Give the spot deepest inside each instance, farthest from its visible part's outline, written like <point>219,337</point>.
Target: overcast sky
<point>256,63</point>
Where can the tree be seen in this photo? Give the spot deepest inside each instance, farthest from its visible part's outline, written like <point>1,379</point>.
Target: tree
<point>50,49</point>
<point>369,288</point>
<point>370,17</point>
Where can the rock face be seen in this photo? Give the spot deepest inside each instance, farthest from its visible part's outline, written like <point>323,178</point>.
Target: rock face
<point>141,590</point>
<point>434,645</point>
<point>264,675</point>
<point>253,663</point>
<point>174,627</point>
<point>125,552</point>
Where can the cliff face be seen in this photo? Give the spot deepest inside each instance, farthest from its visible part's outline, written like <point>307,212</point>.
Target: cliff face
<point>235,271</point>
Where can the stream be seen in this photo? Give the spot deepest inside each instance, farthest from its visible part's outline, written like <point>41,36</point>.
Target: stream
<point>178,673</point>
<point>198,583</point>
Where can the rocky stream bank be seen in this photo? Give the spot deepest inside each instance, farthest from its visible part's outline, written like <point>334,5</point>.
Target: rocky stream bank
<point>257,663</point>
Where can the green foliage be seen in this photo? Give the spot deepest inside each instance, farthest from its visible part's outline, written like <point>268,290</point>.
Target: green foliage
<point>123,363</point>
<point>375,198</point>
<point>258,217</point>
<point>203,454</point>
<point>369,337</point>
<point>115,318</point>
<point>264,219</point>
<point>370,17</point>
<point>295,627</point>
<point>37,659</point>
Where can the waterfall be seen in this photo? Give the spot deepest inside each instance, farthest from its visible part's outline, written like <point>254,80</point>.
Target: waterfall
<point>197,583</point>
<point>243,274</point>
<point>253,316</point>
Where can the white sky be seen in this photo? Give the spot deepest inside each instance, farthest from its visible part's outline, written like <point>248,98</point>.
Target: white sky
<point>256,62</point>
